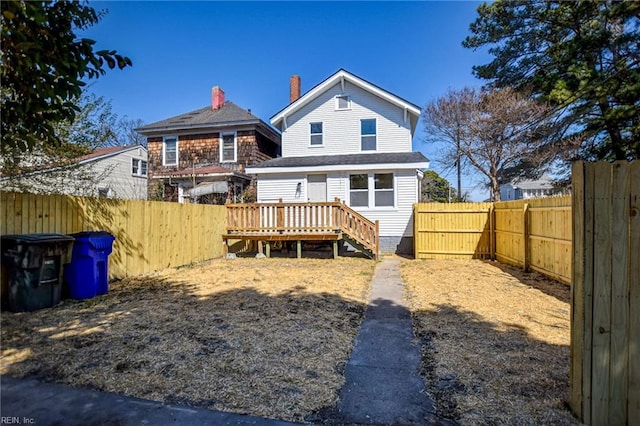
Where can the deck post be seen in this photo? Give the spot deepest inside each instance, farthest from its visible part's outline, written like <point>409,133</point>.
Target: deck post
<point>299,249</point>
<point>335,249</point>
<point>280,216</point>
<point>260,247</point>
<point>268,244</point>
<point>225,247</point>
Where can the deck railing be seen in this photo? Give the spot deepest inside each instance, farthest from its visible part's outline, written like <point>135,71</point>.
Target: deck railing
<point>300,219</point>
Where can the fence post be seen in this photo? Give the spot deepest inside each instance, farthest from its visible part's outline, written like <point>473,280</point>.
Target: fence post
<point>525,242</point>
<point>492,233</point>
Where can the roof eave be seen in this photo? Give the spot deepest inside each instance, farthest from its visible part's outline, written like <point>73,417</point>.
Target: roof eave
<point>329,82</point>
<point>164,129</point>
<point>339,167</point>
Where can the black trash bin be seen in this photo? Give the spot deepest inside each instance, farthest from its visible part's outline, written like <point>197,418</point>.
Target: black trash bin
<point>34,264</point>
<point>88,273</point>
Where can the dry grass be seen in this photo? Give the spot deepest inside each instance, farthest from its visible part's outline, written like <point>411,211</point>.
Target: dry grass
<point>267,337</point>
<point>496,341</point>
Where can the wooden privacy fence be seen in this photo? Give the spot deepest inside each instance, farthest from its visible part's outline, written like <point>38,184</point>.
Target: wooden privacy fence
<point>452,231</point>
<point>605,302</point>
<point>150,235</point>
<point>534,234</point>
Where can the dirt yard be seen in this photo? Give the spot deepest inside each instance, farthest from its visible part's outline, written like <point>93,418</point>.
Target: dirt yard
<point>268,337</point>
<point>496,341</point>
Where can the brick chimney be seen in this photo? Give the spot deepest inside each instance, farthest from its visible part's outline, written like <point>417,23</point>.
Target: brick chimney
<point>217,98</point>
<point>294,88</point>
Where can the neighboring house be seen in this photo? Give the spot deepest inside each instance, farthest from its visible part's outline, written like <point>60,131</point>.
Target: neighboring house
<point>113,172</point>
<point>348,139</point>
<point>202,155</point>
<point>525,189</point>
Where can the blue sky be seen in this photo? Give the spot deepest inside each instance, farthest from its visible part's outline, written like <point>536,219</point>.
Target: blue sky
<point>180,50</point>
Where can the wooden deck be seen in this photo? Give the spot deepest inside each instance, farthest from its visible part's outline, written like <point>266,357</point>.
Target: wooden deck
<point>327,221</point>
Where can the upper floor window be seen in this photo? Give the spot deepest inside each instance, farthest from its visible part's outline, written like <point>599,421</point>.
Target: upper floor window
<point>228,148</point>
<point>343,102</point>
<point>368,134</point>
<point>138,167</point>
<point>315,134</point>
<point>170,151</point>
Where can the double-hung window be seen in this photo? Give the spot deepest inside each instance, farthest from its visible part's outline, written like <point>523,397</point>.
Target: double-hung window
<point>228,148</point>
<point>170,151</point>
<point>315,132</point>
<point>138,167</point>
<point>368,134</point>
<point>359,190</point>
<point>383,189</point>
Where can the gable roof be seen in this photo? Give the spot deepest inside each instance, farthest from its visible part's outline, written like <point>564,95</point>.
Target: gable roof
<point>340,76</point>
<point>342,162</point>
<point>100,153</point>
<point>229,114</point>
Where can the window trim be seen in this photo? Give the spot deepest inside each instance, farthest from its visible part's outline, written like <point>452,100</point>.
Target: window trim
<point>164,150</point>
<point>337,102</point>
<point>371,190</point>
<point>139,172</point>
<point>359,190</point>
<point>316,134</point>
<point>375,135</point>
<point>235,147</point>
<point>392,190</point>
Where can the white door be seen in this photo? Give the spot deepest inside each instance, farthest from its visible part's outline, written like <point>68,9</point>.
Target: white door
<point>316,188</point>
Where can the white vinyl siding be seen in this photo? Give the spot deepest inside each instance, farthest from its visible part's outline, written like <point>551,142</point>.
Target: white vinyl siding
<point>394,221</point>
<point>342,128</point>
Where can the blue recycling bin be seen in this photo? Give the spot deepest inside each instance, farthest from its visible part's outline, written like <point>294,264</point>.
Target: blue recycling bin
<point>87,275</point>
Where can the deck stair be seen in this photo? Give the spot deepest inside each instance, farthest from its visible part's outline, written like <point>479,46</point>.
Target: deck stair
<point>324,221</point>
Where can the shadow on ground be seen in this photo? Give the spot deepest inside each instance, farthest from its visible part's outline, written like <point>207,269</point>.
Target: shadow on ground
<point>501,375</point>
<point>275,353</point>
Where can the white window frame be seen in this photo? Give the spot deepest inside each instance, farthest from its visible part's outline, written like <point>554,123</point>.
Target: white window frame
<point>316,134</point>
<point>137,163</point>
<point>238,188</point>
<point>368,136</point>
<point>359,190</point>
<point>337,102</point>
<point>371,190</point>
<point>392,190</point>
<point>164,150</point>
<point>235,147</point>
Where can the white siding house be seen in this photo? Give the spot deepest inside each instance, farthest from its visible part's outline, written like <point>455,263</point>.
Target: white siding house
<point>526,189</point>
<point>348,139</point>
<point>113,172</point>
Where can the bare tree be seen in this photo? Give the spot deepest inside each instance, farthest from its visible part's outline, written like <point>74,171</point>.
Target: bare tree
<point>127,134</point>
<point>507,137</point>
<point>446,122</point>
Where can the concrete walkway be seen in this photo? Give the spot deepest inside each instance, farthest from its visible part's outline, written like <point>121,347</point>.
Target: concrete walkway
<point>32,402</point>
<point>383,384</point>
